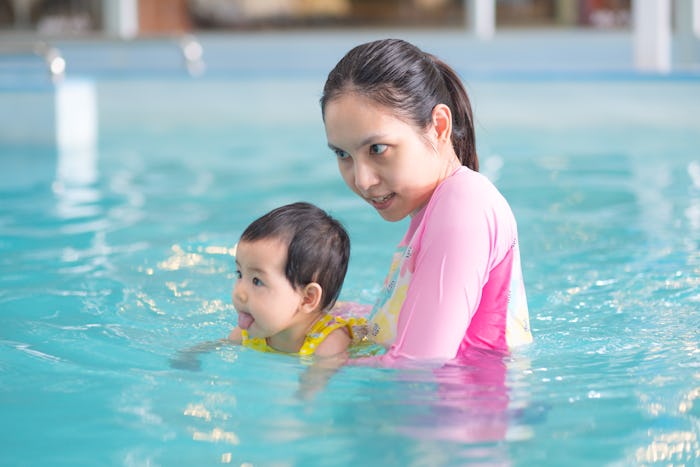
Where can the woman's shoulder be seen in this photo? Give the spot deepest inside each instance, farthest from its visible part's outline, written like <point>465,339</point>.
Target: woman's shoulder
<point>466,180</point>
<point>469,200</point>
<point>467,191</point>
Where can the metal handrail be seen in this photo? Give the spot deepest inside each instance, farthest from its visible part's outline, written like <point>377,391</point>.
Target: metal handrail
<point>193,53</point>
<point>55,63</point>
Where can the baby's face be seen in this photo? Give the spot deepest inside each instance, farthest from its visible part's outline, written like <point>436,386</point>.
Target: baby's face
<point>265,300</point>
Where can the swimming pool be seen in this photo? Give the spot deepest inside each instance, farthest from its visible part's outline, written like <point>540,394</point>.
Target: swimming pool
<point>105,277</point>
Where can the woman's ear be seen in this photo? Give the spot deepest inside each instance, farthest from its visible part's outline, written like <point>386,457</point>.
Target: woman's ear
<point>311,297</point>
<point>442,122</point>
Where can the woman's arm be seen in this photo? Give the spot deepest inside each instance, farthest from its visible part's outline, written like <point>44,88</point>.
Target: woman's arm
<point>351,309</point>
<point>463,238</point>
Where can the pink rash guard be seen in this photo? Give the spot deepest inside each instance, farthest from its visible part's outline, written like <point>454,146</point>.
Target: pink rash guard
<point>455,281</point>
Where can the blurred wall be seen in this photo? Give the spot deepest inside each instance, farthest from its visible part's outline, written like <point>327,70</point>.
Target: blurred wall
<point>159,17</point>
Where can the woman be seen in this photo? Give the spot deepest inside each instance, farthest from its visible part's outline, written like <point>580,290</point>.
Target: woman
<point>400,122</point>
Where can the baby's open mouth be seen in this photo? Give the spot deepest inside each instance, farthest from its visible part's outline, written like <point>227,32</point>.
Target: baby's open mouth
<point>245,320</point>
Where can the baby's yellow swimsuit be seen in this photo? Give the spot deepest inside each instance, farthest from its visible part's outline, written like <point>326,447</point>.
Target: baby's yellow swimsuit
<point>357,327</point>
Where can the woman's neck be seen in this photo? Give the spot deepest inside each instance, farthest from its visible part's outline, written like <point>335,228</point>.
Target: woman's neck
<point>452,164</point>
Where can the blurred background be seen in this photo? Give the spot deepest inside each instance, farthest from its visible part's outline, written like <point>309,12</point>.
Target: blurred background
<point>139,137</point>
<point>158,17</point>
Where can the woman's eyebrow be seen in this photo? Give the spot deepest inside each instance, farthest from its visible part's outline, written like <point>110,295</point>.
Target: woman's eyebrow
<point>370,139</point>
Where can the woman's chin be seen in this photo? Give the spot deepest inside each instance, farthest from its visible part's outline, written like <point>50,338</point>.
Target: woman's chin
<point>391,215</point>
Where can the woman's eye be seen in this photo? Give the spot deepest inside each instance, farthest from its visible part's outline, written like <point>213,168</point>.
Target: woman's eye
<point>257,282</point>
<point>377,148</point>
<point>341,154</point>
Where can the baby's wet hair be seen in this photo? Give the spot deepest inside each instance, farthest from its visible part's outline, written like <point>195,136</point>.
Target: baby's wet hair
<point>318,246</point>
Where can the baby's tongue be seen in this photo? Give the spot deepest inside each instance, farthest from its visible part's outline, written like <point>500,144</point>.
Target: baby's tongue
<point>244,320</point>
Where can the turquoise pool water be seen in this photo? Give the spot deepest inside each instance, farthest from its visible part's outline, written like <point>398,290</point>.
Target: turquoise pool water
<point>105,277</point>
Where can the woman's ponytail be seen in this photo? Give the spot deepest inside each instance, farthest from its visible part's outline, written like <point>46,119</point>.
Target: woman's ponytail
<point>463,135</point>
<point>398,75</point>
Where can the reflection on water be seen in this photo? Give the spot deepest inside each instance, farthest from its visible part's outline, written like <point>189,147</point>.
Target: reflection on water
<point>692,212</point>
<point>117,257</point>
<point>76,132</point>
<point>670,448</point>
<point>76,168</point>
<point>464,411</point>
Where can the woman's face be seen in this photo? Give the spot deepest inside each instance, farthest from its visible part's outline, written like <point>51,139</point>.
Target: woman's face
<point>386,161</point>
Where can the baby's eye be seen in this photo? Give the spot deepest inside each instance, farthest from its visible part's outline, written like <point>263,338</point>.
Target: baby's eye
<point>257,282</point>
<point>378,148</point>
<point>238,274</point>
<point>341,154</point>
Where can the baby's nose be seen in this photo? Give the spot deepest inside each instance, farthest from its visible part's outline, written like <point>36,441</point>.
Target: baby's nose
<point>238,294</point>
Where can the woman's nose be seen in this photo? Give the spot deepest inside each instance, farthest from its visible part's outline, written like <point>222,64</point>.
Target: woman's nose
<point>365,176</point>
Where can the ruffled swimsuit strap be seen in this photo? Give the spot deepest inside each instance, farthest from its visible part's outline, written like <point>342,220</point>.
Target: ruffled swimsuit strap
<point>357,328</point>
<point>255,343</point>
<point>326,325</point>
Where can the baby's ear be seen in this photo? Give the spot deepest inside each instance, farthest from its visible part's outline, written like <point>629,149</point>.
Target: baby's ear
<point>311,297</point>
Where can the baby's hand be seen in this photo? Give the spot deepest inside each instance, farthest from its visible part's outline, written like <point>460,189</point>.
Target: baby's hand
<point>186,361</point>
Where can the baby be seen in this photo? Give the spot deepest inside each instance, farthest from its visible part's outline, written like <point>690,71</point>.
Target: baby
<point>290,267</point>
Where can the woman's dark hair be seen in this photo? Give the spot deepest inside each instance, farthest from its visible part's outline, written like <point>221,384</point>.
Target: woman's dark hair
<point>398,75</point>
<point>318,246</point>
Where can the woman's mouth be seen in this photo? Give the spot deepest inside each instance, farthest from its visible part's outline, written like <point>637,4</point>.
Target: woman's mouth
<point>381,202</point>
